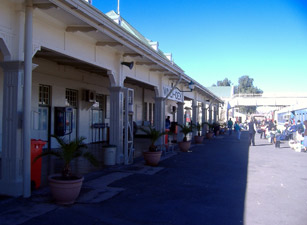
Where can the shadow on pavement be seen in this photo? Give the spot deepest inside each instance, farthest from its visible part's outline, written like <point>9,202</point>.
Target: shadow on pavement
<point>206,186</point>
<point>264,144</point>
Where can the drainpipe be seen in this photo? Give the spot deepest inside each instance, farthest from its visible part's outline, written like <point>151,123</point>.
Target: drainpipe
<point>27,99</point>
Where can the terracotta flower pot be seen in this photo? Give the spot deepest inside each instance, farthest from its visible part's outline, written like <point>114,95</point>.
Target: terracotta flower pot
<point>198,139</point>
<point>209,135</point>
<point>65,192</point>
<point>152,158</point>
<point>184,145</point>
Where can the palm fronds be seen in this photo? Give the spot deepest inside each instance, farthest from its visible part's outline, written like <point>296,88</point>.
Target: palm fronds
<point>185,130</point>
<point>154,135</point>
<point>68,151</point>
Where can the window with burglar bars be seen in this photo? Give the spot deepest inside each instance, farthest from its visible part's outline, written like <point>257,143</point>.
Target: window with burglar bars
<point>72,97</point>
<point>44,94</point>
<point>101,100</point>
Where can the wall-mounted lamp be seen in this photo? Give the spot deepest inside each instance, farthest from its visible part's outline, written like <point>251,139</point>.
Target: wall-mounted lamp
<point>129,64</point>
<point>191,87</point>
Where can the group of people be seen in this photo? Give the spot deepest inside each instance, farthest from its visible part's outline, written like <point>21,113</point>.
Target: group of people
<point>267,129</point>
<point>298,134</point>
<point>236,127</point>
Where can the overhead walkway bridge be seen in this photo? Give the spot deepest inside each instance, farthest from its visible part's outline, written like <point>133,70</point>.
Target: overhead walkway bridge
<point>266,100</point>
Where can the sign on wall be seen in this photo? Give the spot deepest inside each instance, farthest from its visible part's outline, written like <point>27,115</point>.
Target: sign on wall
<point>176,94</point>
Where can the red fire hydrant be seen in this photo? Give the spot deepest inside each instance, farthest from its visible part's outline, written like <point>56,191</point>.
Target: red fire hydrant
<point>36,167</point>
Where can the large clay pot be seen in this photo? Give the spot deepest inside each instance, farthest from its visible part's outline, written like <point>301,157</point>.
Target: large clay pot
<point>209,135</point>
<point>184,146</point>
<point>65,192</point>
<point>152,158</point>
<point>198,139</point>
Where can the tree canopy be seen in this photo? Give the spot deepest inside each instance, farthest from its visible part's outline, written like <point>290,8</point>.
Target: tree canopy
<point>224,82</point>
<point>246,86</point>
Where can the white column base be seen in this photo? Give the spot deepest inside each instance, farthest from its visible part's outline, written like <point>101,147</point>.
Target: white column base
<point>11,187</point>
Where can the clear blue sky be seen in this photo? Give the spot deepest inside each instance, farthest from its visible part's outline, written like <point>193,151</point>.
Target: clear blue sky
<point>216,39</point>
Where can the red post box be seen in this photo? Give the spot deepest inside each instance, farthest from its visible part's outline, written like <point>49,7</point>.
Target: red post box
<point>36,167</point>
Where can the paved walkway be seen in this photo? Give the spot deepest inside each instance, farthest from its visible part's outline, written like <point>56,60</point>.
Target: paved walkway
<point>222,181</point>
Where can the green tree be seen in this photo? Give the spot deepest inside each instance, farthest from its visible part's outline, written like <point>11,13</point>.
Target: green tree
<point>224,82</point>
<point>246,86</point>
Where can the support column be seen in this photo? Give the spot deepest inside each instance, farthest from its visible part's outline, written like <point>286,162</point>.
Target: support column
<point>180,120</point>
<point>27,91</point>
<point>194,115</point>
<point>116,121</point>
<point>11,182</point>
<point>218,112</point>
<point>214,113</point>
<point>160,117</point>
<point>204,118</point>
<point>210,113</point>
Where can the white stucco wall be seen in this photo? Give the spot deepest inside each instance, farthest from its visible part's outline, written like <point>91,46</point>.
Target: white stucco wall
<point>8,17</point>
<point>60,78</point>
<point>1,102</point>
<point>138,102</point>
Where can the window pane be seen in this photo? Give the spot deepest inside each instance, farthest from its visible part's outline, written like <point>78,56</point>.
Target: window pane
<point>44,94</point>
<point>72,97</point>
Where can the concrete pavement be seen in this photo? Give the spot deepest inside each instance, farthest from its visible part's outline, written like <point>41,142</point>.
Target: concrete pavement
<point>222,181</point>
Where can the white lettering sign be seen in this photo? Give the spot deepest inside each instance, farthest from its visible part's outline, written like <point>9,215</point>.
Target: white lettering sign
<point>176,94</point>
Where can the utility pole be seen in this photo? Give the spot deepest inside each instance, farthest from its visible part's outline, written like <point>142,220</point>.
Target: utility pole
<point>118,12</point>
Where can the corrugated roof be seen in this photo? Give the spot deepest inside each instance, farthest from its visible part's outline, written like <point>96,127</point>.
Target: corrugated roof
<point>124,24</point>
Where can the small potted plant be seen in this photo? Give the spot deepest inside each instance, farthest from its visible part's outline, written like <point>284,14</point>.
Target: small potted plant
<point>216,128</point>
<point>198,139</point>
<point>153,155</point>
<point>210,132</point>
<point>184,145</point>
<point>65,187</point>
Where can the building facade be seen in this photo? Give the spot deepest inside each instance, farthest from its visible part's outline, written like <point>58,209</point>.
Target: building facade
<point>68,69</point>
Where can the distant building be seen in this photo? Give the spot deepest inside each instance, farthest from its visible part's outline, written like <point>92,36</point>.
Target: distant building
<point>226,93</point>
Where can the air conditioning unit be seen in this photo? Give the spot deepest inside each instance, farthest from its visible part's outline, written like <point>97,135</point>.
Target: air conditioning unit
<point>89,96</point>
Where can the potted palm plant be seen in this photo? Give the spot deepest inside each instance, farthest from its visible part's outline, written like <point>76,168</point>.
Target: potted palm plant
<point>184,145</point>
<point>153,155</point>
<point>198,139</point>
<point>210,132</point>
<point>65,187</point>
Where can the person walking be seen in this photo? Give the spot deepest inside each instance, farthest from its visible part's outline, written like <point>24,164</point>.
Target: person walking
<point>238,130</point>
<point>230,124</point>
<point>252,131</point>
<point>167,123</point>
<point>263,129</point>
<point>277,139</point>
